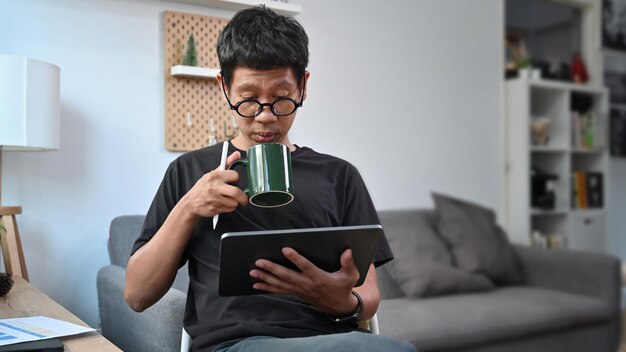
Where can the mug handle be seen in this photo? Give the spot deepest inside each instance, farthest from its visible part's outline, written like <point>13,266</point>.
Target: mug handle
<point>243,162</point>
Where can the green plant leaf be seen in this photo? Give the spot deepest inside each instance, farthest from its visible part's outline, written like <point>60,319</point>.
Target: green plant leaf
<point>191,55</point>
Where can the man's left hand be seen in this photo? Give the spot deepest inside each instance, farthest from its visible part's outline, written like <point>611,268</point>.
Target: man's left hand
<point>331,292</point>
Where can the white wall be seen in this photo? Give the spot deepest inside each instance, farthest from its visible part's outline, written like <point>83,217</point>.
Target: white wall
<point>409,91</point>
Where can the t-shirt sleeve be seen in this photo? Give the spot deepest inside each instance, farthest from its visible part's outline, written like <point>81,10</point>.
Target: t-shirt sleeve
<point>164,201</point>
<point>359,210</point>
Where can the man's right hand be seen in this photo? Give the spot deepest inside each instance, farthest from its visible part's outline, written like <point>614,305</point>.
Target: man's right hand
<point>215,193</point>
<point>152,269</point>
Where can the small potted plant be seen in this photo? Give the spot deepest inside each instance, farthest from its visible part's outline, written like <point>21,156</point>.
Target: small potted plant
<point>191,54</point>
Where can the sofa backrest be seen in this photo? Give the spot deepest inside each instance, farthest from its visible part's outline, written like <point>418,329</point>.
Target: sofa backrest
<point>123,232</point>
<point>125,229</point>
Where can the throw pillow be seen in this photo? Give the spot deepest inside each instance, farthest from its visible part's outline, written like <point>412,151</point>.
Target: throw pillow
<point>422,264</point>
<point>477,243</point>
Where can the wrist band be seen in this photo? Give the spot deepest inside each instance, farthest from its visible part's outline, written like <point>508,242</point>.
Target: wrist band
<point>352,317</point>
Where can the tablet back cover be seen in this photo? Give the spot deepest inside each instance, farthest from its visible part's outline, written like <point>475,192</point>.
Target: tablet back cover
<point>322,246</point>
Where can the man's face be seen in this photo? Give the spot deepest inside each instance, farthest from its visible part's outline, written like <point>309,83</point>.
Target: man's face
<point>264,86</point>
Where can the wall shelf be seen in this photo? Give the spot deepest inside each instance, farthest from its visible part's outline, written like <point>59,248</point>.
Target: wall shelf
<point>193,71</point>
<point>573,219</point>
<point>280,7</point>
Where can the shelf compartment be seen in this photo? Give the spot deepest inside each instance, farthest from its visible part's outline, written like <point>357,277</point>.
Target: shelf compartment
<point>550,228</point>
<point>556,164</point>
<point>588,231</point>
<point>548,105</point>
<point>588,162</point>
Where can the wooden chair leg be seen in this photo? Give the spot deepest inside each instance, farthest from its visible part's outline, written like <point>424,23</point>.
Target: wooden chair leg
<point>12,252</point>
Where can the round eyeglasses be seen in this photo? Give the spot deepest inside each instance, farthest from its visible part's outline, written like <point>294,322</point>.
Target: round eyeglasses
<point>282,106</point>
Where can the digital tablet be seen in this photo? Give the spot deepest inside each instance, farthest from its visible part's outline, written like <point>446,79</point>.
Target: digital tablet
<point>322,246</point>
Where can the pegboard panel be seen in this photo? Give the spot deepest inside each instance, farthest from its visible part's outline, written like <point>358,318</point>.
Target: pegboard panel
<point>191,103</point>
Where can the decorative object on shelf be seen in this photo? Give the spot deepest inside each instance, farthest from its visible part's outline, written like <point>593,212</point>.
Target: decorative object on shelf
<point>618,133</point>
<point>191,55</point>
<point>581,102</point>
<point>233,127</point>
<point>542,188</point>
<point>30,114</point>
<point>184,91</point>
<point>584,122</point>
<point>614,24</point>
<point>6,283</point>
<point>579,70</point>
<point>518,62</point>
<point>547,241</point>
<point>515,56</point>
<point>213,135</point>
<point>540,131</point>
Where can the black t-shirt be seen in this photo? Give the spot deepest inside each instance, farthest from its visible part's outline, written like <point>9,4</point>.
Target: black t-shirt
<point>328,192</point>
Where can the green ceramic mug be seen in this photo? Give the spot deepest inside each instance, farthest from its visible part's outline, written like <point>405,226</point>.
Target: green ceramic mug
<point>268,168</point>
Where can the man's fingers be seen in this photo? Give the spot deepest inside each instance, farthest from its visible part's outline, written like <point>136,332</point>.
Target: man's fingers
<point>235,193</point>
<point>269,282</point>
<point>346,258</point>
<point>231,158</point>
<point>347,263</point>
<point>301,262</point>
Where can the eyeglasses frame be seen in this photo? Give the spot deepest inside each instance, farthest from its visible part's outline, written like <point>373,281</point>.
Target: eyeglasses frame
<point>263,105</point>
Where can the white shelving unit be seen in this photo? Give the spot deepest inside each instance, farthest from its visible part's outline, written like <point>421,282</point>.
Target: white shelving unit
<point>194,71</point>
<point>528,99</point>
<point>280,7</point>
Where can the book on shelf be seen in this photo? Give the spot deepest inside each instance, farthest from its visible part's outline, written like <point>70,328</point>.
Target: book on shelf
<point>595,187</point>
<point>587,190</point>
<point>584,130</point>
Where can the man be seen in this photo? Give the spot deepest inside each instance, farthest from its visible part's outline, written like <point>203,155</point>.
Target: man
<point>263,59</point>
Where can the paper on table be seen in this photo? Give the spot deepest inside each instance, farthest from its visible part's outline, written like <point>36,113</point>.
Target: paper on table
<point>17,330</point>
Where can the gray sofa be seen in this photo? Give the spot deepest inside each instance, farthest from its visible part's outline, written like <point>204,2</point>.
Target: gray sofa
<point>568,301</point>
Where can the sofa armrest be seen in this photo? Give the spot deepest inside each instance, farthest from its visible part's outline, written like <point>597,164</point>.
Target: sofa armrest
<point>590,274</point>
<point>158,328</point>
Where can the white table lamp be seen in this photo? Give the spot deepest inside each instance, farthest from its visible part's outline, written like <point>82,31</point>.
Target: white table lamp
<point>29,121</point>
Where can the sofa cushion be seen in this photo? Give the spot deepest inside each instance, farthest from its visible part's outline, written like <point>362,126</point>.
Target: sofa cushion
<point>422,264</point>
<point>460,321</point>
<point>477,243</point>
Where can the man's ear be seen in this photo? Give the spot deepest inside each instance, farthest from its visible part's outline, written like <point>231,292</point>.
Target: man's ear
<point>219,79</point>
<point>304,84</point>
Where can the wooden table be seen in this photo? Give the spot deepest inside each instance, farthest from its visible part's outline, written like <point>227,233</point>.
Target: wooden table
<point>25,300</point>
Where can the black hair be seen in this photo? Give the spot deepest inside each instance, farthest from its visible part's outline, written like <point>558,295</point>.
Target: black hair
<point>258,38</point>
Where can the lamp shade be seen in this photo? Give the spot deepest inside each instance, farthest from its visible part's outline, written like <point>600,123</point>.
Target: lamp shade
<point>29,104</point>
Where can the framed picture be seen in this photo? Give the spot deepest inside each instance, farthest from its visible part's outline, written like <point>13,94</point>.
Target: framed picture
<point>616,82</point>
<point>618,133</point>
<point>614,24</point>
